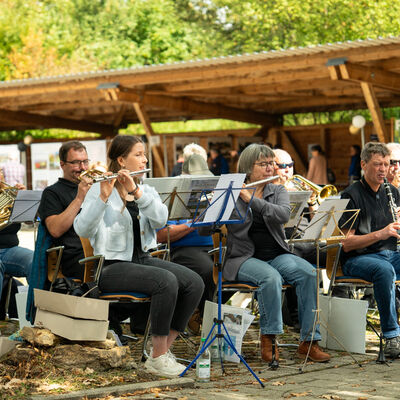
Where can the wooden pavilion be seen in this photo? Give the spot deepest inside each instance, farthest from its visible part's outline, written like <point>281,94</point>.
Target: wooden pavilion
<point>255,88</point>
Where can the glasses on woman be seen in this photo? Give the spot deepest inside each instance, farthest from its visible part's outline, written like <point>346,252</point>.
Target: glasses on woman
<point>264,164</point>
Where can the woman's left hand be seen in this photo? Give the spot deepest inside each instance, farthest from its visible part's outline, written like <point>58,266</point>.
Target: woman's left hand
<point>128,183</point>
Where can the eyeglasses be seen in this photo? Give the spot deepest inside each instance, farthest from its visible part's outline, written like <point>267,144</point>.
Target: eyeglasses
<point>264,164</point>
<point>78,162</point>
<point>283,166</point>
<point>394,162</point>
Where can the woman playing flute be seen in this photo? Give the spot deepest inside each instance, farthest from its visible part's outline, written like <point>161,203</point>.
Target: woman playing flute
<point>120,218</point>
<point>257,252</point>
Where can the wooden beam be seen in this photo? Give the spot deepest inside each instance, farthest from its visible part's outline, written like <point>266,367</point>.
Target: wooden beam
<point>373,75</point>
<point>291,149</point>
<point>36,121</point>
<point>374,109</point>
<point>213,110</point>
<point>144,119</point>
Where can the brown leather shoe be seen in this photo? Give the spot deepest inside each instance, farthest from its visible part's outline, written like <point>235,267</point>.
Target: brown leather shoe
<point>316,354</point>
<point>194,324</point>
<point>266,348</point>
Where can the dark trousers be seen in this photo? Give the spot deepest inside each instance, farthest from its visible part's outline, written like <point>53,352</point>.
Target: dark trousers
<point>174,289</point>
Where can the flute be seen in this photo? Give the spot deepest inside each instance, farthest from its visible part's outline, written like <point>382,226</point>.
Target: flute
<point>270,179</point>
<point>100,177</point>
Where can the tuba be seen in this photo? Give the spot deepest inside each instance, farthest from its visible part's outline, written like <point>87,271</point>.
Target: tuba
<point>301,183</point>
<point>7,197</point>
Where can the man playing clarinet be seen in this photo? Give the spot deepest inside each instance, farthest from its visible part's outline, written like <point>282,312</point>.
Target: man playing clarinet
<point>370,247</point>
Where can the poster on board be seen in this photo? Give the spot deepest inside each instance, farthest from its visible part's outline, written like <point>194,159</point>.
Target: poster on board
<point>45,161</point>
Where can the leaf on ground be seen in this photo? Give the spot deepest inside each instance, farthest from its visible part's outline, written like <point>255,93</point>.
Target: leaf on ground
<point>303,394</point>
<point>278,383</point>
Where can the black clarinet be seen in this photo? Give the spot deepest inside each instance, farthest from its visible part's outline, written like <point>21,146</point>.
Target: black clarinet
<point>392,204</point>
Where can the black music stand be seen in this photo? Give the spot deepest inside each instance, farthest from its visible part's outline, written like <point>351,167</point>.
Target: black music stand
<point>25,206</point>
<point>223,203</point>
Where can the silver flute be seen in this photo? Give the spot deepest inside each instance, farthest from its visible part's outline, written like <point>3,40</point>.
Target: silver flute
<point>270,179</point>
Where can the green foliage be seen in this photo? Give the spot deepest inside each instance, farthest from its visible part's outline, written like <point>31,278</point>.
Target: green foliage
<point>50,37</point>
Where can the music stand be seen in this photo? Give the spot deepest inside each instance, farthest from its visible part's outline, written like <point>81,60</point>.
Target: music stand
<point>216,214</point>
<point>25,206</point>
<point>322,226</point>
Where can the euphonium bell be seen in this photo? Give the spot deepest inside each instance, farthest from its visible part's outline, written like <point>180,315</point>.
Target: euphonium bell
<point>322,193</point>
<point>7,197</point>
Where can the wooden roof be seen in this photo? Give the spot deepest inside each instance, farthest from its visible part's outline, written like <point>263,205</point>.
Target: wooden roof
<point>256,88</point>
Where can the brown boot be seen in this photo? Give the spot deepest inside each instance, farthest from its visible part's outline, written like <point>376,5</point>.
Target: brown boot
<point>266,348</point>
<point>316,354</point>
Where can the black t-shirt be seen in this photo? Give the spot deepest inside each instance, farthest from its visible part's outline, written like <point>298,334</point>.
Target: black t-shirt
<point>9,237</point>
<point>266,247</point>
<point>55,199</point>
<point>374,215</point>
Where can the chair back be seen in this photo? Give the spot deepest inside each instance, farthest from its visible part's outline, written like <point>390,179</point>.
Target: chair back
<point>90,261</point>
<point>332,260</point>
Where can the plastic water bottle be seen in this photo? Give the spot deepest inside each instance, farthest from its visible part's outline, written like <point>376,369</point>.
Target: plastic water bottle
<point>203,364</point>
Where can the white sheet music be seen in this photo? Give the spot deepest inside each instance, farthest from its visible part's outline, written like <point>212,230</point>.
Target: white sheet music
<point>322,216</point>
<point>215,208</point>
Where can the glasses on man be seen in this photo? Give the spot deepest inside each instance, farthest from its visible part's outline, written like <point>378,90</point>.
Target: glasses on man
<point>264,164</point>
<point>285,165</point>
<point>77,163</point>
<point>394,162</point>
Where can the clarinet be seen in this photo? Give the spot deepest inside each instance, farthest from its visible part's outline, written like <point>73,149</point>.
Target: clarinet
<point>392,204</point>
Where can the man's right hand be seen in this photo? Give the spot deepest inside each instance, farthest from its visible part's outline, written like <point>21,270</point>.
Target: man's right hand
<point>390,230</point>
<point>83,187</point>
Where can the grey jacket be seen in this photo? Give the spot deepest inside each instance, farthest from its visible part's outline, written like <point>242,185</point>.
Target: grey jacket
<point>275,209</point>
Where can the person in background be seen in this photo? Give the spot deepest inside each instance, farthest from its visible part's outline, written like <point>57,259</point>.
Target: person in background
<point>393,175</point>
<point>120,217</point>
<point>13,171</point>
<point>355,164</point>
<point>317,169</point>
<point>218,163</point>
<point>194,148</point>
<point>177,169</point>
<point>190,249</point>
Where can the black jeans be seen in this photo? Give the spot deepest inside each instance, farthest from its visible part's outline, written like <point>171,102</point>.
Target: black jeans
<point>175,290</point>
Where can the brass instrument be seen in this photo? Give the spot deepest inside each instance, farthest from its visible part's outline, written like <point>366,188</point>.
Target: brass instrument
<point>98,175</point>
<point>322,193</point>
<point>7,197</point>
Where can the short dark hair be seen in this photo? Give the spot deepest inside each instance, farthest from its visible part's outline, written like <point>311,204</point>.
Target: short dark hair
<point>318,148</point>
<point>374,148</point>
<point>67,146</point>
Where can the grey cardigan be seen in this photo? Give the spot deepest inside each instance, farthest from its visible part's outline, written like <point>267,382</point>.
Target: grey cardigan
<point>275,209</point>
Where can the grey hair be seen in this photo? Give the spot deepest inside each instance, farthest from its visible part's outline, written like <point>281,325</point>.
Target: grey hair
<point>194,148</point>
<point>372,148</point>
<point>250,155</point>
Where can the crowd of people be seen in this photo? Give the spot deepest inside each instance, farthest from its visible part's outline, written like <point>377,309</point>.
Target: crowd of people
<point>124,220</point>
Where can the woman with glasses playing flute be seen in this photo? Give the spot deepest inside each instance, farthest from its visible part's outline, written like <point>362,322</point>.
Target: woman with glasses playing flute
<point>120,217</point>
<point>257,252</point>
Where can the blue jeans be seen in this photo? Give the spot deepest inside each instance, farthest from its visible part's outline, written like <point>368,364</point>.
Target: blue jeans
<point>269,276</point>
<point>15,261</point>
<point>380,269</point>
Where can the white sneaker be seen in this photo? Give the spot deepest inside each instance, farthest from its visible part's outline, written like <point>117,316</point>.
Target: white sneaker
<point>164,365</point>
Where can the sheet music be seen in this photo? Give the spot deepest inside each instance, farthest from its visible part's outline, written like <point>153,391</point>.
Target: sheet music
<point>298,201</point>
<point>215,208</point>
<point>321,216</point>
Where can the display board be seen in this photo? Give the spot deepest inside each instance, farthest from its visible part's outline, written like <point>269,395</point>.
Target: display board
<point>46,162</point>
